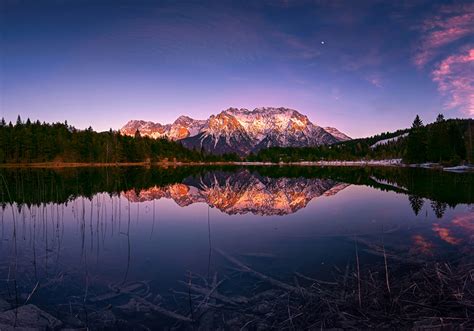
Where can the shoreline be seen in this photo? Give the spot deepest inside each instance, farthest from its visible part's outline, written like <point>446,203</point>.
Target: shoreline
<point>361,163</point>
<point>168,164</point>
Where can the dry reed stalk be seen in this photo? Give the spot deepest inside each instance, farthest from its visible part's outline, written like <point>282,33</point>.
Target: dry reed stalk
<point>358,275</point>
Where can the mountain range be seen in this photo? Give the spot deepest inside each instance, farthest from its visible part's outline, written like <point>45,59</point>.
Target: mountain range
<point>240,131</point>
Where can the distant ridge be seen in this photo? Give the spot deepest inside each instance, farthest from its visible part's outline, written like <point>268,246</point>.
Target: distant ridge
<point>241,131</point>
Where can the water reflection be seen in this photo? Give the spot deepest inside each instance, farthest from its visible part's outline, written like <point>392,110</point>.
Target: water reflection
<point>416,203</point>
<point>242,192</point>
<point>94,246</point>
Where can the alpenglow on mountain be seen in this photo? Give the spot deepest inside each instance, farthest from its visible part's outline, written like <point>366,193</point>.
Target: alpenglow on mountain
<point>241,131</point>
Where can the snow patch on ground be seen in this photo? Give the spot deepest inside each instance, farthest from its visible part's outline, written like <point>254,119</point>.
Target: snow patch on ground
<point>386,141</point>
<point>462,168</point>
<point>389,162</point>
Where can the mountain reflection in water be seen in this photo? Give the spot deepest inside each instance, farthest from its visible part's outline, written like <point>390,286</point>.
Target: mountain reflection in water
<point>242,192</point>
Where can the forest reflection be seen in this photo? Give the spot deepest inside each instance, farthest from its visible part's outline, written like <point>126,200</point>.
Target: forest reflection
<point>234,190</point>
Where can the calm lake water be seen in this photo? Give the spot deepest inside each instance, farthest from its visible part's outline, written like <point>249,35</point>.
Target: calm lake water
<point>87,244</point>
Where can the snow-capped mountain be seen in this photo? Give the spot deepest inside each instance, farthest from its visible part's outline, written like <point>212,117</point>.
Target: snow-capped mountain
<point>182,127</point>
<point>241,131</point>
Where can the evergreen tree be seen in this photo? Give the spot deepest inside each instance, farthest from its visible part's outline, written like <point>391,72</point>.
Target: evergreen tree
<point>458,148</point>
<point>417,123</point>
<point>416,145</point>
<point>438,145</point>
<point>470,142</point>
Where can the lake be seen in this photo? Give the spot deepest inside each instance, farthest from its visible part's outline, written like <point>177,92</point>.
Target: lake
<point>239,247</point>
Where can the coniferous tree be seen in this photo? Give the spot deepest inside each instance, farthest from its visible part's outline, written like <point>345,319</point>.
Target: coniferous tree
<point>470,142</point>
<point>437,144</point>
<point>458,148</point>
<point>416,144</point>
<point>417,122</point>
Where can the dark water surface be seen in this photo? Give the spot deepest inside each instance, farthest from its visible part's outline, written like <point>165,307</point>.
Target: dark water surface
<point>103,247</point>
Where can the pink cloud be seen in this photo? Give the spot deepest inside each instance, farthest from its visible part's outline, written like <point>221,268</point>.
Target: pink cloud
<point>453,23</point>
<point>455,78</point>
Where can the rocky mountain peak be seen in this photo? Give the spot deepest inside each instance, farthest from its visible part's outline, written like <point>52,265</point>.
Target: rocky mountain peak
<point>241,131</point>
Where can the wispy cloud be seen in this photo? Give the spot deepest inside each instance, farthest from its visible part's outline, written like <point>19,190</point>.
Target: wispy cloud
<point>375,80</point>
<point>446,48</point>
<point>455,78</point>
<point>450,24</point>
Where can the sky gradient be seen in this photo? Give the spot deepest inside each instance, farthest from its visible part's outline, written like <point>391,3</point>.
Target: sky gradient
<point>364,67</point>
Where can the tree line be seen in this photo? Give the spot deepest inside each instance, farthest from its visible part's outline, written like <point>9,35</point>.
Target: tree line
<point>447,142</point>
<point>444,141</point>
<point>29,142</point>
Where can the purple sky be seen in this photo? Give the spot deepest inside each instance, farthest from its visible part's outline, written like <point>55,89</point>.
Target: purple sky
<point>362,66</point>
